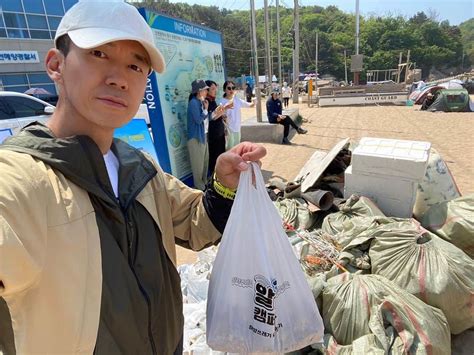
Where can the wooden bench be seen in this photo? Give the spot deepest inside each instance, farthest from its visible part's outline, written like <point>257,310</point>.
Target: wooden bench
<point>253,131</point>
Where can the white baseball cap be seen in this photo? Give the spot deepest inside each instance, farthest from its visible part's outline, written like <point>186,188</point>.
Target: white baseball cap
<point>92,23</point>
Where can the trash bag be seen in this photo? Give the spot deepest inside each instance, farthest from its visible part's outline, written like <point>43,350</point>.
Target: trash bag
<point>435,271</point>
<point>437,186</point>
<point>355,206</point>
<point>453,221</point>
<point>294,211</point>
<point>258,299</point>
<point>356,306</point>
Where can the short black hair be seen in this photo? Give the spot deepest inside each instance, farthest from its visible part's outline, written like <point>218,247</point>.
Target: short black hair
<point>210,82</point>
<point>227,82</point>
<point>63,44</point>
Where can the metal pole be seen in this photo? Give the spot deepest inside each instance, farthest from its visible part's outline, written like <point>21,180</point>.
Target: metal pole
<point>296,53</point>
<point>267,45</point>
<point>280,78</point>
<point>255,62</point>
<point>357,27</point>
<point>356,74</point>
<point>317,55</point>
<point>345,66</point>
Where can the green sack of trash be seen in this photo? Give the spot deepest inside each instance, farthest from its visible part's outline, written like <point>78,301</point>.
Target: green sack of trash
<point>435,271</point>
<point>342,221</point>
<point>454,222</point>
<point>294,211</point>
<point>386,317</point>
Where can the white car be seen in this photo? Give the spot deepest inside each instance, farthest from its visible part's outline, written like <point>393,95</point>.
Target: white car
<point>17,110</point>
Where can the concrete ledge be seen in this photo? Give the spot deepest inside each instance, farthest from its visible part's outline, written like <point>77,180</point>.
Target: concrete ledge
<point>264,131</point>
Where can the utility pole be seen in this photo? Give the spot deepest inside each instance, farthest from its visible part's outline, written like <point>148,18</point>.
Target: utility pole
<point>356,74</point>
<point>345,66</point>
<point>316,61</point>
<point>255,62</point>
<point>267,45</point>
<point>296,53</point>
<point>280,78</point>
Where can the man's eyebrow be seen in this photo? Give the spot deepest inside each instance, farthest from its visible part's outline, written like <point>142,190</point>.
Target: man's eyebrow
<point>137,56</point>
<point>142,58</point>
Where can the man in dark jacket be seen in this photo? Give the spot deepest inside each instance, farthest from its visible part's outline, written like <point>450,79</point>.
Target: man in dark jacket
<point>88,224</point>
<point>248,92</point>
<point>274,114</point>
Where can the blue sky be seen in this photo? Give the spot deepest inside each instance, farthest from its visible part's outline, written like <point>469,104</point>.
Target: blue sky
<point>456,11</point>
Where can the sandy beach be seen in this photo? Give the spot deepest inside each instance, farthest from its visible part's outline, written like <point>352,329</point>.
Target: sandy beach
<point>451,134</point>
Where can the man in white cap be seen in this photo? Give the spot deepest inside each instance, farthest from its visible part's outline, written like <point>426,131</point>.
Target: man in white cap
<point>88,224</point>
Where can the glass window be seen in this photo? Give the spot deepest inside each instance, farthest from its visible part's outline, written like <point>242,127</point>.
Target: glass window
<point>37,22</point>
<point>2,24</point>
<point>68,4</point>
<point>3,33</point>
<point>17,33</point>
<point>54,7</point>
<point>6,112</point>
<point>53,22</point>
<point>13,79</point>
<point>11,5</point>
<point>48,87</point>
<point>40,34</point>
<point>38,78</point>
<point>21,88</point>
<point>14,20</point>
<point>24,107</point>
<point>34,6</point>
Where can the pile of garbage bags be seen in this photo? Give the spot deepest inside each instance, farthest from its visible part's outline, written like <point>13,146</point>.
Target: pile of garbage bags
<point>383,285</point>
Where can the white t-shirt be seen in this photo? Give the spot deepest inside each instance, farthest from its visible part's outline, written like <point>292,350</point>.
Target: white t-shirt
<point>112,165</point>
<point>233,114</point>
<point>286,91</point>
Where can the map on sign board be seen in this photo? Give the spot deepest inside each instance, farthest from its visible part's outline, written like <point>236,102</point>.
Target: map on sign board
<point>190,52</point>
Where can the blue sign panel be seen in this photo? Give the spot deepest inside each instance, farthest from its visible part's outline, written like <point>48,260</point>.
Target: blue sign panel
<point>191,52</point>
<point>136,134</point>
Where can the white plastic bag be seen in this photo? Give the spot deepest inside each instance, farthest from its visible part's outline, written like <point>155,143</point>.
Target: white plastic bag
<point>259,299</point>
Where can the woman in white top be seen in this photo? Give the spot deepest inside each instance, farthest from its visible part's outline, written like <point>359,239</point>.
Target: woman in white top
<point>233,120</point>
<point>285,94</point>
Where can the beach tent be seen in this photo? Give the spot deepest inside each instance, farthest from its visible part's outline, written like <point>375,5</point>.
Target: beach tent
<point>452,84</point>
<point>428,89</point>
<point>451,100</point>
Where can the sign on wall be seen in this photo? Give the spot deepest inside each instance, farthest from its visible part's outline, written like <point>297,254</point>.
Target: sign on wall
<point>9,57</point>
<point>191,52</point>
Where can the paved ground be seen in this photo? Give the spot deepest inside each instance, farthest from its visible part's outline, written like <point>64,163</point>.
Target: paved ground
<point>451,134</point>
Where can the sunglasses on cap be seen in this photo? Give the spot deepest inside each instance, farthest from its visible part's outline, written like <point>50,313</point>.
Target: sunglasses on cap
<point>231,88</point>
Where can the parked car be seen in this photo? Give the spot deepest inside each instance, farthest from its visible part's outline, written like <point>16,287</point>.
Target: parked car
<point>17,110</point>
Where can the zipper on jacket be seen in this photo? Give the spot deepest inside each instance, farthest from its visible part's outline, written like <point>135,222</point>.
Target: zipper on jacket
<point>129,226</point>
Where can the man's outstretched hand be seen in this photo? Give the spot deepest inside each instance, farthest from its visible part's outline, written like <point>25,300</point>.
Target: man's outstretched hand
<point>231,163</point>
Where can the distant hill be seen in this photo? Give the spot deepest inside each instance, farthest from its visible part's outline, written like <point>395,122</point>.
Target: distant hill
<point>433,44</point>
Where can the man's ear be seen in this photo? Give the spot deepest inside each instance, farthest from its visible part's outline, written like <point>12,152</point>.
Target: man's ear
<point>54,62</point>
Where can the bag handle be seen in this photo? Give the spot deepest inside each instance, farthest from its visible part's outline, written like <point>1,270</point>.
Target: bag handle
<point>246,179</point>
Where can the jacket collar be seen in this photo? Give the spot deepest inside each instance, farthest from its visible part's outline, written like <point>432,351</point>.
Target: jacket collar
<point>81,161</point>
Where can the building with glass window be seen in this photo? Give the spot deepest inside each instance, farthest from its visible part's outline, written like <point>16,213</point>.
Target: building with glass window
<point>27,29</point>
